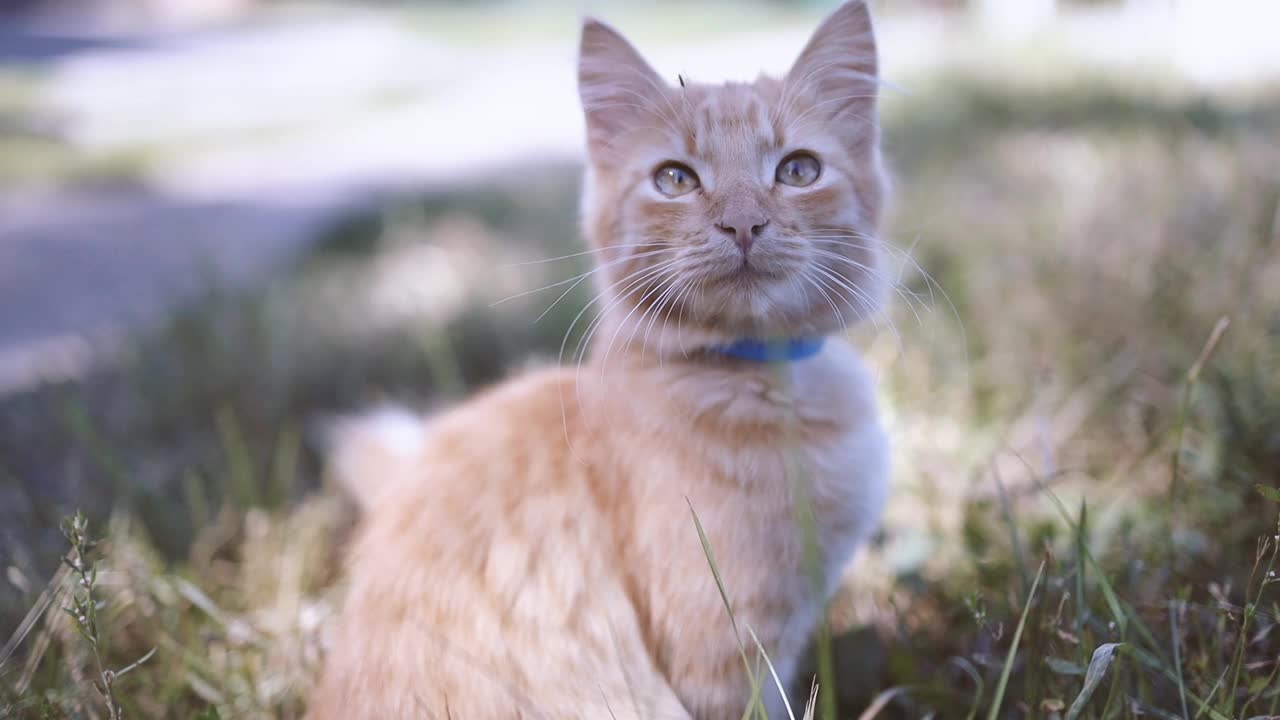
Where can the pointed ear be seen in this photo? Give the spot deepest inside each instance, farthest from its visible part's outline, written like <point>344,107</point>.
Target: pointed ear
<point>619,90</point>
<point>839,66</point>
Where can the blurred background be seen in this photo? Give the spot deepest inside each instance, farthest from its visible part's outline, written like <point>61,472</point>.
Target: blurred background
<point>225,221</point>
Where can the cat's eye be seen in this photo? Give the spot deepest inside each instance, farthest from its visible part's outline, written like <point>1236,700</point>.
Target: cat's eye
<point>799,170</point>
<point>674,180</point>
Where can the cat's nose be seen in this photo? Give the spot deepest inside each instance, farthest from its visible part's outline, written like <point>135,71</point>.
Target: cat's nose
<point>743,227</point>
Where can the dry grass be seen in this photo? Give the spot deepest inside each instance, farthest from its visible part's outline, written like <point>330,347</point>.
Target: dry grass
<point>1083,241</point>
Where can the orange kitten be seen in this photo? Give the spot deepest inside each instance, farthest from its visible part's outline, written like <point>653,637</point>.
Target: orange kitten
<point>532,553</point>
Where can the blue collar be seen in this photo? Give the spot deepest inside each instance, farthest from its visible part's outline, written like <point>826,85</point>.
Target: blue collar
<point>779,350</point>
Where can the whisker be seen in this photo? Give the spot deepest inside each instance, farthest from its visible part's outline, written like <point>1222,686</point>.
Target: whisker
<point>688,292</point>
<point>930,282</point>
<point>564,342</point>
<point>867,306</point>
<point>633,280</point>
<point>630,278</point>
<point>835,310</point>
<point>579,277</point>
<point>593,251</point>
<point>898,253</point>
<point>668,295</point>
<point>875,273</point>
<point>638,305</point>
<point>584,344</point>
<point>895,281</point>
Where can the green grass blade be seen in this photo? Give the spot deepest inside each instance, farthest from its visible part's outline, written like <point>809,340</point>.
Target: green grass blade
<point>777,681</point>
<point>1123,615</point>
<point>1098,667</point>
<point>242,480</point>
<point>1270,493</point>
<point>1003,684</point>
<point>135,664</point>
<point>806,520</point>
<point>284,467</point>
<point>1015,542</point>
<point>1203,706</point>
<point>1082,604</point>
<point>728,608</point>
<point>880,702</point>
<point>1177,657</point>
<point>968,669</point>
<point>1188,393</point>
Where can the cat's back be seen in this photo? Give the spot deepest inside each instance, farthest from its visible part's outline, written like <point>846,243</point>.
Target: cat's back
<point>391,452</point>
<point>448,491</point>
<point>483,572</point>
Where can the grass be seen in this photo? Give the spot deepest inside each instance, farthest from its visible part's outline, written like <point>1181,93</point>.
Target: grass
<point>1066,405</point>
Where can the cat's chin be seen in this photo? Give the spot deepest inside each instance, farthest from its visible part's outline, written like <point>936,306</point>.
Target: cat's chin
<point>755,298</point>
<point>773,322</point>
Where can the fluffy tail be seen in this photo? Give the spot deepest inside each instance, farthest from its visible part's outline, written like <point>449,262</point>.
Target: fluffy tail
<point>372,452</point>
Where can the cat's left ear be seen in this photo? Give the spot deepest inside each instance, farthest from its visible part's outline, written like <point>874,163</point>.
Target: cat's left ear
<point>619,90</point>
<point>840,67</point>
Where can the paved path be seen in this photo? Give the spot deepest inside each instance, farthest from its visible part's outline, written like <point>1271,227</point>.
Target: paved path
<point>81,261</point>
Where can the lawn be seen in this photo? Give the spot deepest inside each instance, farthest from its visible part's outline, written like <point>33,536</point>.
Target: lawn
<point>1081,372</point>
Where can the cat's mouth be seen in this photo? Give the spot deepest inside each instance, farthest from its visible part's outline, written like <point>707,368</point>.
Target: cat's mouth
<point>751,271</point>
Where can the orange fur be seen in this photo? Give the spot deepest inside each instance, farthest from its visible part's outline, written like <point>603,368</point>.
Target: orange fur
<point>532,553</point>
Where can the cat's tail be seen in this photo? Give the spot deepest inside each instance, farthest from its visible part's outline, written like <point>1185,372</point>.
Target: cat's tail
<point>369,453</point>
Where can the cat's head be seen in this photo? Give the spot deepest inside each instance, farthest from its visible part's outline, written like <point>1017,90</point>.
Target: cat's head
<point>738,209</point>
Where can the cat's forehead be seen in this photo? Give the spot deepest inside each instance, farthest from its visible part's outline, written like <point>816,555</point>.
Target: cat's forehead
<point>731,118</point>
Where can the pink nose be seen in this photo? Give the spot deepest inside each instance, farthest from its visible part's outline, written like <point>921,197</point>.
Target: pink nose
<point>743,227</point>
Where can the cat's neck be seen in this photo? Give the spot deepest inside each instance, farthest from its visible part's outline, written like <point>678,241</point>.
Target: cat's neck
<point>777,349</point>
<point>830,388</point>
<point>643,340</point>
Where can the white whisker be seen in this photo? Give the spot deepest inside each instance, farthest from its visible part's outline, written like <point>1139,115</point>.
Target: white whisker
<point>593,251</point>
<point>584,277</point>
<point>875,274</point>
<point>579,277</point>
<point>659,284</point>
<point>668,295</point>
<point>868,307</point>
<point>630,277</point>
<point>839,236</point>
<point>835,310</point>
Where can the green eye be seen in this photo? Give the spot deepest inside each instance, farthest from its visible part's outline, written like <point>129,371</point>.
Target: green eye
<point>799,169</point>
<point>674,180</point>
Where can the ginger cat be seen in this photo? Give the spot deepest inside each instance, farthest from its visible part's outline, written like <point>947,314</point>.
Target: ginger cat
<point>532,554</point>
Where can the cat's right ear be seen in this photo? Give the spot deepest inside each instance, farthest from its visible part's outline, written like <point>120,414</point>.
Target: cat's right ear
<point>619,90</point>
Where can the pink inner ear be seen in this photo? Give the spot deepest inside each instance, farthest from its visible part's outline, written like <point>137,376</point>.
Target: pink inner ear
<point>839,66</point>
<point>619,90</point>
